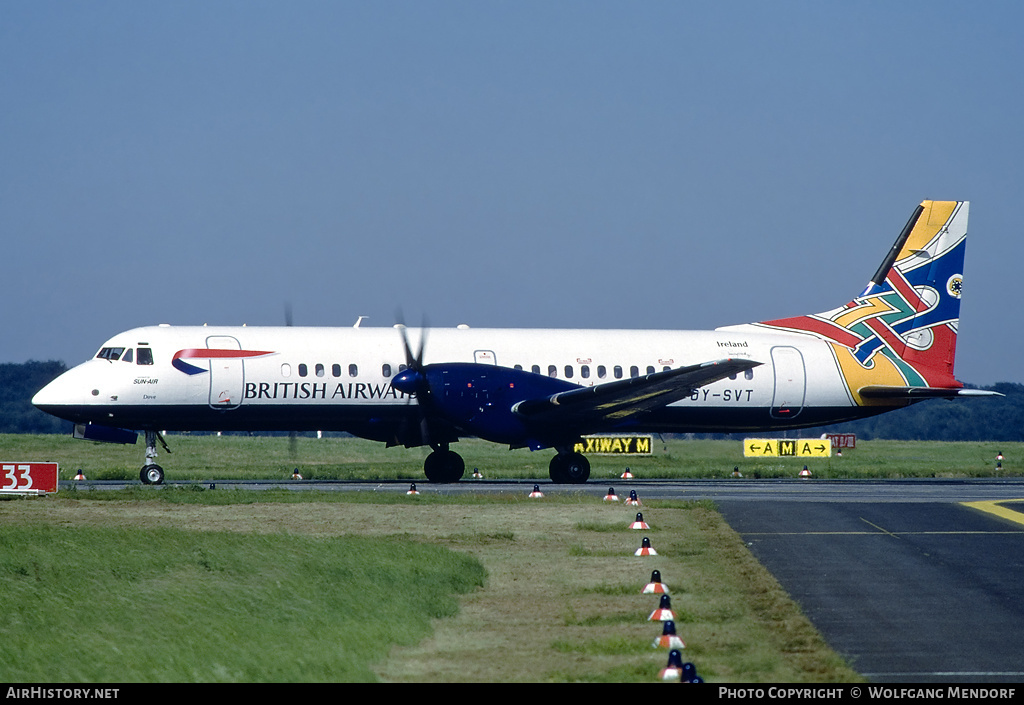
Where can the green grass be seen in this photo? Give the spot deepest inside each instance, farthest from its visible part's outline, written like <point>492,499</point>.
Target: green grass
<point>242,457</point>
<point>110,587</point>
<point>189,584</point>
<point>93,604</point>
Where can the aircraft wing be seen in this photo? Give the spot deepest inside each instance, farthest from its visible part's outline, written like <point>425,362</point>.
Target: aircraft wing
<point>616,401</point>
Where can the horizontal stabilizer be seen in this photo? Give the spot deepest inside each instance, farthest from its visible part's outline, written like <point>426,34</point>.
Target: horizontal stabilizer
<point>619,400</point>
<point>881,391</point>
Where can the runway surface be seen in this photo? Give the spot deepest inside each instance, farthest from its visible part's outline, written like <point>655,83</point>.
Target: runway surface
<point>902,577</point>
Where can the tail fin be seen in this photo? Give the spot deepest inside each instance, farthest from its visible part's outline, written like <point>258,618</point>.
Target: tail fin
<point>900,332</point>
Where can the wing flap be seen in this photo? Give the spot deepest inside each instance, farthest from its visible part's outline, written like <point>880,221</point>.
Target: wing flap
<point>619,400</point>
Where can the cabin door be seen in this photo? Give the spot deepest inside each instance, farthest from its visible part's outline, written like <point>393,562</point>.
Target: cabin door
<point>790,382</point>
<point>227,378</point>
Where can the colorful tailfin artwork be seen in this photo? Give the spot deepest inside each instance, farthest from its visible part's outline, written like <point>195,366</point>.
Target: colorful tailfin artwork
<point>898,337</point>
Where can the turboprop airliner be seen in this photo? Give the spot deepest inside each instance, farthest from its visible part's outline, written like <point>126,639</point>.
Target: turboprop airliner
<point>890,346</point>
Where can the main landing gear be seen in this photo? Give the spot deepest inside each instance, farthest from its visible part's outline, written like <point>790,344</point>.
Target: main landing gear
<point>151,473</point>
<point>569,468</point>
<point>444,465</point>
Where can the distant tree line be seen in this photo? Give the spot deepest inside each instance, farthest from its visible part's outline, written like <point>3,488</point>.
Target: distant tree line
<point>18,384</point>
<point>980,419</point>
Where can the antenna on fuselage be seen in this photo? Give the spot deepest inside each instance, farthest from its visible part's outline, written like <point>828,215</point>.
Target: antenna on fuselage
<point>359,320</point>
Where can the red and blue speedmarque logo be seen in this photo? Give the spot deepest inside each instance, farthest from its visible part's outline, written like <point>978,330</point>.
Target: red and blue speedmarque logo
<point>178,360</point>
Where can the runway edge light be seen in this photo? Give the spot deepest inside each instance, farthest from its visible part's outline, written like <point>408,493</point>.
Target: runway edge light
<point>668,639</point>
<point>655,587</point>
<point>663,611</point>
<point>645,548</point>
<point>639,523</point>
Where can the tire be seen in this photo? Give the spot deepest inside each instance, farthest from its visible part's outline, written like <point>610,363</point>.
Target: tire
<point>444,466</point>
<point>569,468</point>
<point>152,475</point>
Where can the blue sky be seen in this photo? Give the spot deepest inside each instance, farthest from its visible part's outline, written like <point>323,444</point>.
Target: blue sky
<point>553,164</point>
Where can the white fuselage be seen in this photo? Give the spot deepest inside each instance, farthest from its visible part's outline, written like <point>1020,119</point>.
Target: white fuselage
<point>339,379</point>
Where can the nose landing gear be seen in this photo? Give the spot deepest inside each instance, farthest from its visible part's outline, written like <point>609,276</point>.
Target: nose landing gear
<point>151,473</point>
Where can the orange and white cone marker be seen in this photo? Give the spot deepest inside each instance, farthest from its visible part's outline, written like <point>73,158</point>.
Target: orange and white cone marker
<point>736,472</point>
<point>999,455</point>
<point>645,548</point>
<point>633,500</point>
<point>626,475</point>
<point>477,475</point>
<point>664,611</point>
<point>611,496</point>
<point>296,475</point>
<point>668,639</point>
<point>639,523</point>
<point>805,472</point>
<point>655,587</point>
<point>412,489</point>
<point>80,476</point>
<point>536,491</point>
<point>674,670</point>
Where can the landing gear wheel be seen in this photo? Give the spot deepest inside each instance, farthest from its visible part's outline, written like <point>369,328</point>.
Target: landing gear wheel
<point>569,468</point>
<point>444,466</point>
<point>152,475</point>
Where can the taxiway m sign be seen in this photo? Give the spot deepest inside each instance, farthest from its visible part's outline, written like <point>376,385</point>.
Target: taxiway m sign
<point>28,478</point>
<point>629,444</point>
<point>786,448</point>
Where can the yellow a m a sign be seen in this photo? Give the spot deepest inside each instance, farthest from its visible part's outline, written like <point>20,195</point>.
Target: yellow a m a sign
<point>614,445</point>
<point>787,448</point>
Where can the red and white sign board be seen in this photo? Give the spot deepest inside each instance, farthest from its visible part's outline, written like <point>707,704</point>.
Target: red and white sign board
<point>28,478</point>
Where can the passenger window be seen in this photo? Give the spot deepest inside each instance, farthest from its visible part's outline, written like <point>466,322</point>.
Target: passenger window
<point>336,370</point>
<point>568,371</point>
<point>128,356</point>
<point>585,372</point>
<point>650,369</point>
<point>303,370</point>
<point>517,367</point>
<point>353,370</point>
<point>385,370</point>
<point>286,370</point>
<point>319,370</point>
<point>617,371</point>
<point>601,372</point>
<point>535,369</point>
<point>634,371</point>
<point>144,356</point>
<point>552,371</point>
<point>748,374</point>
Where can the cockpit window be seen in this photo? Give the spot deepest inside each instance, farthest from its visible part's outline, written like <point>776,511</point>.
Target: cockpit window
<point>110,353</point>
<point>128,357</point>
<point>144,356</point>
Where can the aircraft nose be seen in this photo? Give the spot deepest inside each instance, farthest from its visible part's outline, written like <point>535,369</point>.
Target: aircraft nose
<point>59,395</point>
<point>47,396</point>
